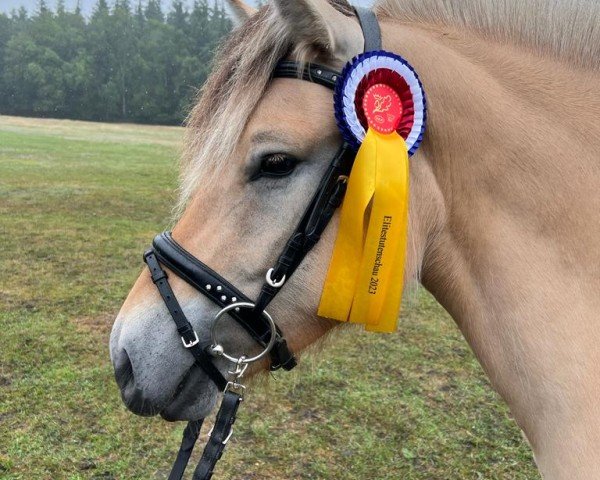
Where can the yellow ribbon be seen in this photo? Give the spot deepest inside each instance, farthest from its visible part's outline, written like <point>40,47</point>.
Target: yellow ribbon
<point>365,279</point>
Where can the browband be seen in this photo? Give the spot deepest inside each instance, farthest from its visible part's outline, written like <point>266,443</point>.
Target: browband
<point>312,72</point>
<point>325,76</point>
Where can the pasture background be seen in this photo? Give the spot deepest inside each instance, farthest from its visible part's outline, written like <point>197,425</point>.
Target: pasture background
<point>78,204</point>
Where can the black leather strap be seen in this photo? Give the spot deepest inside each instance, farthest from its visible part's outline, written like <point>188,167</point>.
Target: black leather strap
<point>185,329</point>
<point>330,193</point>
<point>327,198</point>
<point>312,72</point>
<point>223,293</point>
<point>188,441</point>
<point>219,437</point>
<point>370,27</point>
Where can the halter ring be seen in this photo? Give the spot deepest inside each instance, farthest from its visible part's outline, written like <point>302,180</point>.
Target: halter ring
<point>216,348</point>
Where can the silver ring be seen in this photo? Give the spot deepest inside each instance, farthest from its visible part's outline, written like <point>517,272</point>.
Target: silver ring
<point>272,282</point>
<point>216,348</point>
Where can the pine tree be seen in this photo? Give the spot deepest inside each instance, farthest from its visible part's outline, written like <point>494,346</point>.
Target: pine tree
<point>101,8</point>
<point>178,16</point>
<point>140,17</point>
<point>60,8</point>
<point>6,31</point>
<point>21,16</point>
<point>119,64</point>
<point>154,11</point>
<point>42,8</point>
<point>122,5</point>
<point>123,54</point>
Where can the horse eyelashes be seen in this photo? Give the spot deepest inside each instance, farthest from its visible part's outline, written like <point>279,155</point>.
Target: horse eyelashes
<point>275,166</point>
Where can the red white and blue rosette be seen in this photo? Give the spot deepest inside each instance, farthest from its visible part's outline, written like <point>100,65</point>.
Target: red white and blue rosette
<point>380,68</point>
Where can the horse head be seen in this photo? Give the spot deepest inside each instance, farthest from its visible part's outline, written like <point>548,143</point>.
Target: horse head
<point>503,221</point>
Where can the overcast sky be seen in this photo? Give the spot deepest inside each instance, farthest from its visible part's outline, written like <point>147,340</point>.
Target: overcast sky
<point>87,5</point>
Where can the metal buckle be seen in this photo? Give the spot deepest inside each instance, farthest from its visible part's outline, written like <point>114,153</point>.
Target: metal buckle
<point>272,282</point>
<point>235,387</point>
<point>195,341</point>
<point>216,348</point>
<point>224,442</point>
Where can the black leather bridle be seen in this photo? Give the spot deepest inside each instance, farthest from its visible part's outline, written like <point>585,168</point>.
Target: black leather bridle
<point>250,315</point>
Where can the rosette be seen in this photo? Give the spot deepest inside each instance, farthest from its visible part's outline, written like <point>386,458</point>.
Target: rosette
<point>380,68</point>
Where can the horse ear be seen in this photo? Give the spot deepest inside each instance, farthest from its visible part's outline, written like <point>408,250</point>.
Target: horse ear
<point>319,28</point>
<point>240,11</point>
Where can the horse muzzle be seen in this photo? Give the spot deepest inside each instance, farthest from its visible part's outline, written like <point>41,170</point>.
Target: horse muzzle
<point>154,375</point>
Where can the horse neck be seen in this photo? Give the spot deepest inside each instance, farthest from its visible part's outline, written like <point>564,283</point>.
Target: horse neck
<point>505,209</point>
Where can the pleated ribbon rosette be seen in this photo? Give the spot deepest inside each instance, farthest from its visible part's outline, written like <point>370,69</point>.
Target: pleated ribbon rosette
<point>380,109</point>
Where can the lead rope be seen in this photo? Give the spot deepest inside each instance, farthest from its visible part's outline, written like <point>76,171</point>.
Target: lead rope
<point>190,437</point>
<point>219,435</point>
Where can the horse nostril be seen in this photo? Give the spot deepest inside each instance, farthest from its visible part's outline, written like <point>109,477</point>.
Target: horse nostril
<point>133,396</point>
<point>123,369</point>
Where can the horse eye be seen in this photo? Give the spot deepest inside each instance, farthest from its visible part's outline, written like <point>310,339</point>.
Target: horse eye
<point>275,165</point>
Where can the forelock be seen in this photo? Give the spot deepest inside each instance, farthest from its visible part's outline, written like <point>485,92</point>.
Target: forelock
<point>242,69</point>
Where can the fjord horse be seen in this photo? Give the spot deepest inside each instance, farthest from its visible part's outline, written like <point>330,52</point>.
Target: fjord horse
<point>504,222</point>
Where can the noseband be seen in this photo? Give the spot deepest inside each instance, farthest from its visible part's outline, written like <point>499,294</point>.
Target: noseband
<point>250,315</point>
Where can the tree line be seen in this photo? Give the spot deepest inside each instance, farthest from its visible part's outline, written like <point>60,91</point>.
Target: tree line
<point>133,63</point>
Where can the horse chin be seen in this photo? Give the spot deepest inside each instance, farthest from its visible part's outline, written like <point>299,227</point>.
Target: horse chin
<point>195,411</point>
<point>195,398</point>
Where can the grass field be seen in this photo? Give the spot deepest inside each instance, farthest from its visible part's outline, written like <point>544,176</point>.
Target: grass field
<point>78,204</point>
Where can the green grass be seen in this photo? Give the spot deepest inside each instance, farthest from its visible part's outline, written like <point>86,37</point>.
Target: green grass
<point>78,204</point>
